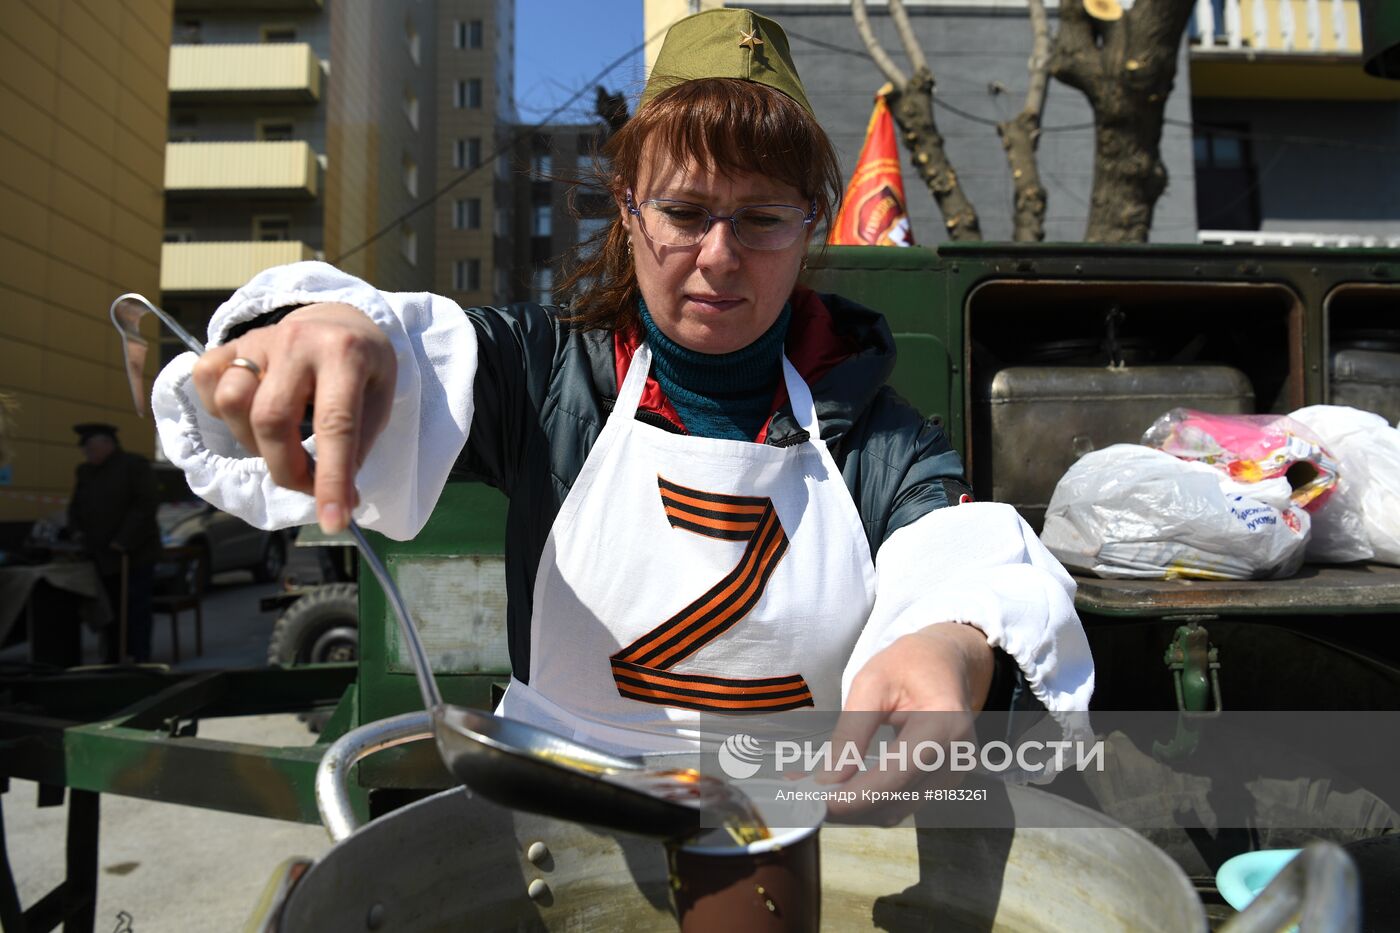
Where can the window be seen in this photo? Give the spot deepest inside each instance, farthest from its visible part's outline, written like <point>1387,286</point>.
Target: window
<point>502,285</point>
<point>279,32</point>
<point>184,128</point>
<point>502,222</point>
<point>466,152</point>
<point>466,35</point>
<point>589,227</point>
<point>188,32</point>
<point>272,228</point>
<point>502,166</point>
<point>543,220</point>
<point>408,243</point>
<point>540,166</point>
<point>276,130</point>
<point>466,214</point>
<point>466,275</point>
<point>467,94</point>
<point>410,38</point>
<point>410,107</point>
<point>1227,185</point>
<point>410,175</point>
<point>542,285</point>
<point>177,235</point>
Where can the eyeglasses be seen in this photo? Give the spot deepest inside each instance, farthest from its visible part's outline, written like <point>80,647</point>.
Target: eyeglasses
<point>758,226</point>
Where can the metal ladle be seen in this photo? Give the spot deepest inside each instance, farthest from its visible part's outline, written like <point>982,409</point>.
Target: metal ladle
<point>512,763</point>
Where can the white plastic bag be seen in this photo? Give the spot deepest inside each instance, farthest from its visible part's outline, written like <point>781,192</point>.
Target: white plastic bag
<point>1368,452</point>
<point>1134,511</point>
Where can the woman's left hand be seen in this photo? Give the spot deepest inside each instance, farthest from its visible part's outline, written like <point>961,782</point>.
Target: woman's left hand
<point>944,669</point>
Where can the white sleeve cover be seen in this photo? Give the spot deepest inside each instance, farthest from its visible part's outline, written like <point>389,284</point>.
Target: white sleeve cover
<point>980,564</point>
<point>404,474</point>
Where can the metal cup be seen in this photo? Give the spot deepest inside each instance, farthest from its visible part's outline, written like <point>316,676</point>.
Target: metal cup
<point>767,886</point>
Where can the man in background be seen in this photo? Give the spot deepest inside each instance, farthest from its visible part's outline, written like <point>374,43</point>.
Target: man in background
<point>113,507</point>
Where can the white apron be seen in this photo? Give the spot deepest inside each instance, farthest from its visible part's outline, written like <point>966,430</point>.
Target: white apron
<point>688,576</point>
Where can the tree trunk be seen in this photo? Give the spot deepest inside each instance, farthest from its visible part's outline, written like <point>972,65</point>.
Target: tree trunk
<point>912,108</point>
<point>1018,138</point>
<point>1126,69</point>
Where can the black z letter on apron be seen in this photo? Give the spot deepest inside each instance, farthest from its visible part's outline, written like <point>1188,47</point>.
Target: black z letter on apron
<point>642,670</point>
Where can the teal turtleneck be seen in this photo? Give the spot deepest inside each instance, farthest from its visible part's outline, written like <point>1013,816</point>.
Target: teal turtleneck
<point>724,395</point>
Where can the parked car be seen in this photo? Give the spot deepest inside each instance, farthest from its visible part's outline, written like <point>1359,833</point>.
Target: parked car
<point>228,542</point>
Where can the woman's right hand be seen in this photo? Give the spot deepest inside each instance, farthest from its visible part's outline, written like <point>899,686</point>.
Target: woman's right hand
<point>330,356</point>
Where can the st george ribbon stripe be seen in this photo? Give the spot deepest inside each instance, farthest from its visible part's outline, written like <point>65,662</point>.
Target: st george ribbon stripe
<point>642,669</point>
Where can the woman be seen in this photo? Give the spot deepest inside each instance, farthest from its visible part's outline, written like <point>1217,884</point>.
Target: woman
<point>703,461</point>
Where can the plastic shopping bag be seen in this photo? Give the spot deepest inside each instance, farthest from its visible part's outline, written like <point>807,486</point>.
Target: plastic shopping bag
<point>1133,511</point>
<point>1368,454</point>
<point>1250,448</point>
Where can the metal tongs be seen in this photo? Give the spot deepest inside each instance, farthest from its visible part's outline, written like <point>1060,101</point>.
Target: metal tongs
<point>512,763</point>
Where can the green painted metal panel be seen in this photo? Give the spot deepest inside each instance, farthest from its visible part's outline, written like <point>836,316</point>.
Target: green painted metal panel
<point>466,528</point>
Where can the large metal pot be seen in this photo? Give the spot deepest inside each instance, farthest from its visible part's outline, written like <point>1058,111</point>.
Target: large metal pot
<point>454,862</point>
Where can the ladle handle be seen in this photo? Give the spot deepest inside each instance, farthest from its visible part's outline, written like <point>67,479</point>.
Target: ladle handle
<point>427,686</point>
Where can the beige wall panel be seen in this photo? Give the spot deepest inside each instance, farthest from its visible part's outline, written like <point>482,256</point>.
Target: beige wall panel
<point>86,76</point>
<point>32,415</point>
<point>139,233</point>
<point>24,23</point>
<point>73,287</point>
<point>108,14</point>
<point>25,123</point>
<point>142,154</point>
<point>80,158</point>
<point>132,271</point>
<point>43,467</point>
<point>23,218</point>
<point>21,366</point>
<point>146,40</point>
<point>23,267</point>
<point>34,80</point>
<point>24,169</point>
<point>82,335</point>
<point>86,31</point>
<point>135,195</point>
<point>75,111</point>
<point>138,115</point>
<point>84,199</point>
<point>23,319</point>
<point>79,245</point>
<point>137,74</point>
<point>75,379</point>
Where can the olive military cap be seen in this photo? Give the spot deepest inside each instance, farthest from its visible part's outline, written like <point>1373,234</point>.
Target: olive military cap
<point>726,43</point>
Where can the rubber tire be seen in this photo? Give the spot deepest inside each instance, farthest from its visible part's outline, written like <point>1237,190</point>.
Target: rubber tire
<point>276,546</point>
<point>324,608</point>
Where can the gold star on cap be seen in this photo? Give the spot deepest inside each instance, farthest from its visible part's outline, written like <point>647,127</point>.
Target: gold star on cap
<point>750,40</point>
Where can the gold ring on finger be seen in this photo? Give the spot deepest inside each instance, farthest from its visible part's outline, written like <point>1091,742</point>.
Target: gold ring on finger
<point>242,362</point>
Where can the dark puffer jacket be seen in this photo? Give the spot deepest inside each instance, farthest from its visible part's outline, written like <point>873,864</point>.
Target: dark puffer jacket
<point>543,392</point>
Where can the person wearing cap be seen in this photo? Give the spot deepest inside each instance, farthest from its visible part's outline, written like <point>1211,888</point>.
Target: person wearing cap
<point>716,503</point>
<point>113,509</point>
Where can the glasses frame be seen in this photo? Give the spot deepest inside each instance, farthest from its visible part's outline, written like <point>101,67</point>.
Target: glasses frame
<point>635,209</point>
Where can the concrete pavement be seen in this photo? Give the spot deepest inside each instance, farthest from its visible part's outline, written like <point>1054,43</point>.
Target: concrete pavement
<point>170,868</point>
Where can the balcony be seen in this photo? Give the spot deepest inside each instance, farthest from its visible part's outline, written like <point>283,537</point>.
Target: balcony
<point>285,170</point>
<point>1281,49</point>
<point>1277,238</point>
<point>273,73</point>
<point>248,6</point>
<point>192,268</point>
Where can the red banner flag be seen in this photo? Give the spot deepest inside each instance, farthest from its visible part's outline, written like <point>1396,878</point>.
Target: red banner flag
<point>873,212</point>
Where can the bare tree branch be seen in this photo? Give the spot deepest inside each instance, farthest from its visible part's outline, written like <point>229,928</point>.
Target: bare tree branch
<point>1020,136</point>
<point>877,52</point>
<point>906,36</point>
<point>1040,58</point>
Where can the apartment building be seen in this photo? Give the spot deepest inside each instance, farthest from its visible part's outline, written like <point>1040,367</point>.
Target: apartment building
<point>1294,140</point>
<point>275,155</point>
<point>82,138</point>
<point>556,208</point>
<point>473,219</point>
